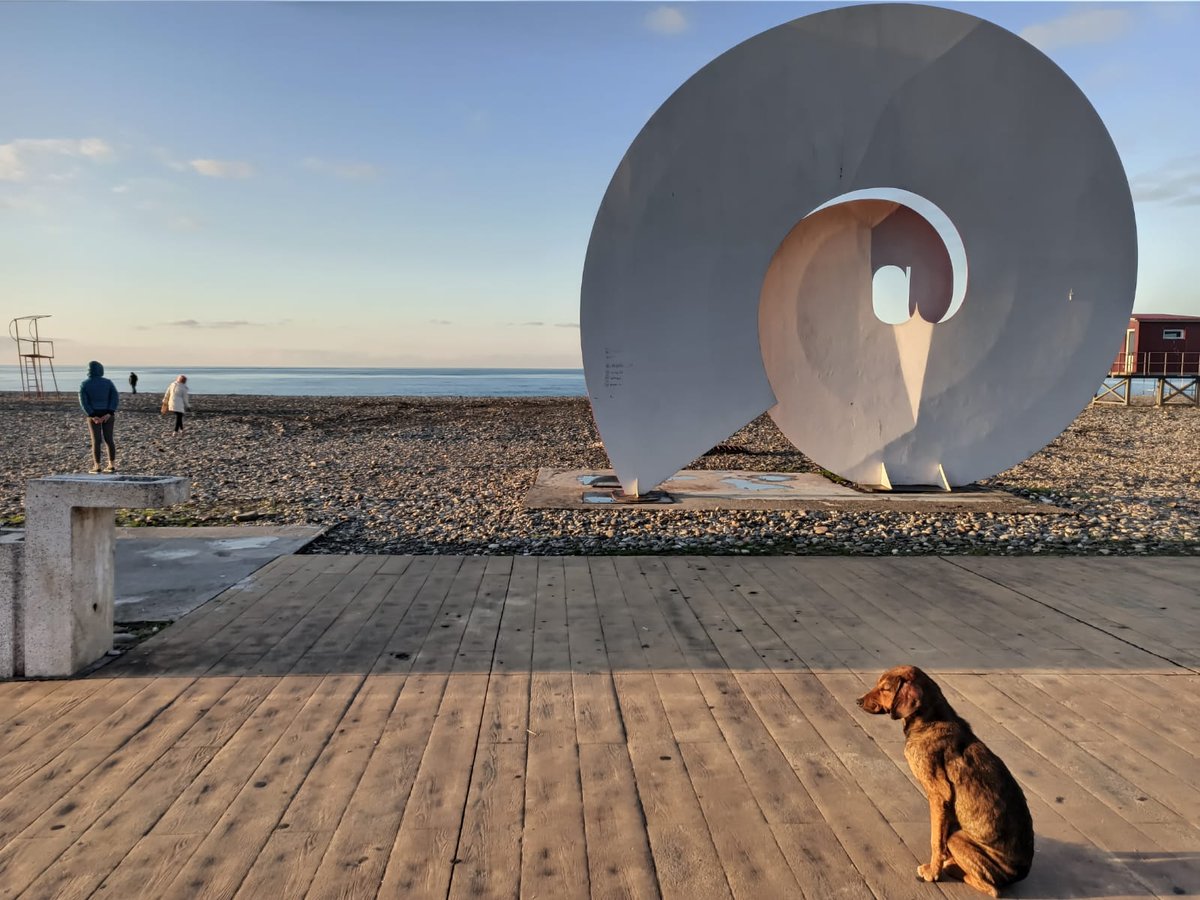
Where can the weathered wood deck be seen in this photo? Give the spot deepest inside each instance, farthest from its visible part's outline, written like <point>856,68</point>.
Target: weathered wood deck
<point>613,727</point>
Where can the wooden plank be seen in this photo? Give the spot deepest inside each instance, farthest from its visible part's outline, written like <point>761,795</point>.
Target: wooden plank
<point>642,711</point>
<point>620,863</point>
<point>514,642</point>
<point>74,865</point>
<point>1097,702</point>
<point>506,710</point>
<point>198,808</point>
<point>834,647</point>
<point>286,864</point>
<point>477,648</point>
<point>585,636</point>
<point>1106,785</point>
<point>77,810</point>
<point>753,863</point>
<point>685,858</point>
<point>728,637</point>
<point>553,857</point>
<point>551,645</point>
<point>489,850</point>
<point>622,643</point>
<point>678,608</point>
<point>18,696</point>
<point>866,837</point>
<point>354,864</point>
<point>654,635</point>
<point>819,863</point>
<point>295,848</point>
<point>686,708</point>
<point>101,848</point>
<point>34,795</point>
<point>440,649</point>
<point>47,729</point>
<point>318,622</point>
<point>415,627</point>
<point>250,610</point>
<point>151,866</point>
<point>368,644</point>
<point>597,716</point>
<point>230,848</point>
<point>420,858</point>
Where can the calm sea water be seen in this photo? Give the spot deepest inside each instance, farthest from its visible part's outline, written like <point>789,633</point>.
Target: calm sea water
<point>352,382</point>
<point>331,382</point>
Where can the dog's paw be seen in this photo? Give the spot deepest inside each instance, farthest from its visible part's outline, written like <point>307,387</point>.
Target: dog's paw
<point>925,872</point>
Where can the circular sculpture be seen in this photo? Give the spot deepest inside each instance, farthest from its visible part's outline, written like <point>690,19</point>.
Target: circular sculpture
<point>900,229</point>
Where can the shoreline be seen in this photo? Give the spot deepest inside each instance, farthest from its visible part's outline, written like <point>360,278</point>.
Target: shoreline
<point>449,475</point>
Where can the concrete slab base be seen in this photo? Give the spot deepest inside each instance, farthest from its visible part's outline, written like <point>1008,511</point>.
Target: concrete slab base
<point>734,489</point>
<point>165,573</point>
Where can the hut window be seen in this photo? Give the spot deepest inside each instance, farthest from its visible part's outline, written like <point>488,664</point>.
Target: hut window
<point>1172,334</point>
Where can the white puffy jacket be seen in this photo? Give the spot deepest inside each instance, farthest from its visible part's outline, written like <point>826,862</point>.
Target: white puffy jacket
<point>176,397</point>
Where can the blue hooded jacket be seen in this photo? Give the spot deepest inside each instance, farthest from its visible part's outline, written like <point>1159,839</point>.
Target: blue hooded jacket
<point>97,394</point>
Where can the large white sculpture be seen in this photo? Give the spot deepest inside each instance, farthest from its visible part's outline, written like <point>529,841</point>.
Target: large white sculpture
<point>900,229</point>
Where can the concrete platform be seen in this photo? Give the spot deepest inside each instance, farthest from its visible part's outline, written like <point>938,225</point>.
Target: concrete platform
<point>738,489</point>
<point>165,573</point>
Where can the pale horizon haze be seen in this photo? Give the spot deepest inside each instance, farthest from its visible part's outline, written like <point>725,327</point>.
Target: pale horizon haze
<point>414,184</point>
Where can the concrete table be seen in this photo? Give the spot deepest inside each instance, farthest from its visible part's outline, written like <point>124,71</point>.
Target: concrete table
<point>65,620</point>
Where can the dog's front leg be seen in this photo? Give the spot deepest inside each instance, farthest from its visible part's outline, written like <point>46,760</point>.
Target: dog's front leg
<point>939,827</point>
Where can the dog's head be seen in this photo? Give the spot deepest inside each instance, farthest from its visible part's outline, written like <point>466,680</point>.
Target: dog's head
<point>900,692</point>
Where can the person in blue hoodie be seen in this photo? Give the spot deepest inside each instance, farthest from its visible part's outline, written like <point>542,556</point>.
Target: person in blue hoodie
<point>98,397</point>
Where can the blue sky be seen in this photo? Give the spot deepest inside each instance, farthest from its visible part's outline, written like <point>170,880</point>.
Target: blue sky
<point>415,184</point>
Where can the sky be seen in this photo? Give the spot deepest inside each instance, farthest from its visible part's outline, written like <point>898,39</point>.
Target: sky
<point>413,184</point>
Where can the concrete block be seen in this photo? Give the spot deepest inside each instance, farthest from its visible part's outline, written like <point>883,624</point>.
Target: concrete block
<point>11,554</point>
<point>69,563</point>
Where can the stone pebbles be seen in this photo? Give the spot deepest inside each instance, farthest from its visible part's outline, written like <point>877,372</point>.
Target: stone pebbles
<point>449,475</point>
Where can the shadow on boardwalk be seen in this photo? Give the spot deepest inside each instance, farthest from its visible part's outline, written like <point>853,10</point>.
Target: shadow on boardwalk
<point>329,614</point>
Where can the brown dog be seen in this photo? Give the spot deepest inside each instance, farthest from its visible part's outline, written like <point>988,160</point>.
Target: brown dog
<point>978,819</point>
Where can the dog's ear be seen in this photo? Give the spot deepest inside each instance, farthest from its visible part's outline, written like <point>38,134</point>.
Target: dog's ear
<point>907,700</point>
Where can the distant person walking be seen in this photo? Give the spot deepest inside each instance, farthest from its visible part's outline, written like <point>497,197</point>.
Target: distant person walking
<point>176,400</point>
<point>98,397</point>
<point>133,381</point>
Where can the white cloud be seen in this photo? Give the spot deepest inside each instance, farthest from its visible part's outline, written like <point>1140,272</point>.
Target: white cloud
<point>28,158</point>
<point>349,169</point>
<point>183,223</point>
<point>1088,26</point>
<point>229,323</point>
<point>1174,183</point>
<point>222,168</point>
<point>666,20</point>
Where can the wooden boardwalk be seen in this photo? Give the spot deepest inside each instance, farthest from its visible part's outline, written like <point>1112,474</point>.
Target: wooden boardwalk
<point>608,727</point>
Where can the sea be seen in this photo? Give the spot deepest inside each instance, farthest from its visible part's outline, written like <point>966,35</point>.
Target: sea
<point>328,382</point>
<point>351,382</point>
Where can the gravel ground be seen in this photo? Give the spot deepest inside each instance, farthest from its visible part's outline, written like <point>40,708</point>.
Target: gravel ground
<point>421,475</point>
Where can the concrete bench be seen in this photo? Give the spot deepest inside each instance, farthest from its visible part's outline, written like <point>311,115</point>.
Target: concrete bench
<point>56,602</point>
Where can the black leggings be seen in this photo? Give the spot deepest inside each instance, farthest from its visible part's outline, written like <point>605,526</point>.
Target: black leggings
<point>179,421</point>
<point>103,432</point>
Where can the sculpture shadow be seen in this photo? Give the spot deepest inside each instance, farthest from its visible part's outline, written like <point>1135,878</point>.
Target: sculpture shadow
<point>589,615</point>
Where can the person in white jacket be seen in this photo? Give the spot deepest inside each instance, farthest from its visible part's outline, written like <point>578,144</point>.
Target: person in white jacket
<point>176,400</point>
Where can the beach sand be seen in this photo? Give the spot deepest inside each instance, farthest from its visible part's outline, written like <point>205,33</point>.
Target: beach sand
<point>421,475</point>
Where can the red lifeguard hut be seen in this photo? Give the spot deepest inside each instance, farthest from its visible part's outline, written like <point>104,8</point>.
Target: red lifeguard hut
<point>33,352</point>
<point>1162,347</point>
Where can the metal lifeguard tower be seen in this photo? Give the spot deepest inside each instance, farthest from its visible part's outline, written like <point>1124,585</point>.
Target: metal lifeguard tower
<point>32,352</point>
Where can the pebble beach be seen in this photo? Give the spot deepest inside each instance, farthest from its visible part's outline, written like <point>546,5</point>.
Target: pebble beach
<point>449,475</point>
